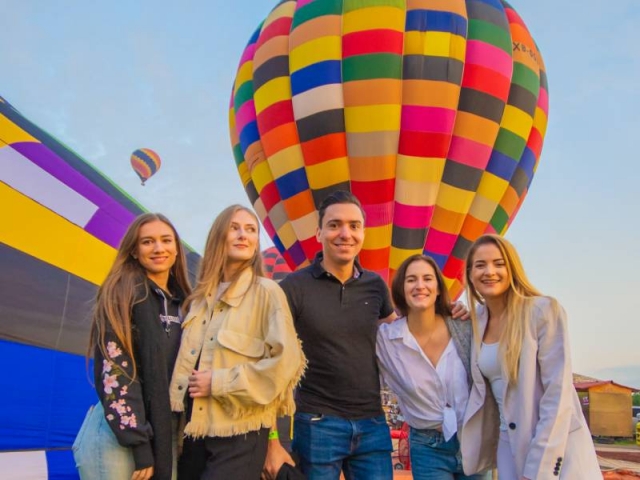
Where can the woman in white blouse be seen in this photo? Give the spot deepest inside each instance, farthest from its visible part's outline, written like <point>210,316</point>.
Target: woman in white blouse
<point>424,357</point>
<point>522,347</point>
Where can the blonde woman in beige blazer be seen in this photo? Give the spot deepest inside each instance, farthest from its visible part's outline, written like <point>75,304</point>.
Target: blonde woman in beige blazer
<point>521,363</point>
<point>239,357</point>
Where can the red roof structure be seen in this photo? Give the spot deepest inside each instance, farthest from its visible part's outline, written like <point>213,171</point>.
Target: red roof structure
<point>583,383</point>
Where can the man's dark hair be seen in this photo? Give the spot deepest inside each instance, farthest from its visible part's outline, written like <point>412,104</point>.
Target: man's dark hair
<point>339,196</point>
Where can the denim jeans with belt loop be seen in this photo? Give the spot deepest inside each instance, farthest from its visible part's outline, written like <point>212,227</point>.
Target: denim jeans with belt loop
<point>433,458</point>
<point>327,445</point>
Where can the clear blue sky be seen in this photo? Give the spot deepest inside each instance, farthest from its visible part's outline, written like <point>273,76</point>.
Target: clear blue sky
<point>109,77</point>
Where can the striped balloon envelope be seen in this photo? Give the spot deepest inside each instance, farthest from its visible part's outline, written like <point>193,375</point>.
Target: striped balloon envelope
<point>60,224</point>
<point>432,112</point>
<point>275,266</point>
<point>145,162</point>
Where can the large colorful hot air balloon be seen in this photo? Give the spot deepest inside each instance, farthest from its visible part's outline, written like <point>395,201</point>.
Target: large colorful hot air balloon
<point>145,162</point>
<point>61,221</point>
<point>432,112</point>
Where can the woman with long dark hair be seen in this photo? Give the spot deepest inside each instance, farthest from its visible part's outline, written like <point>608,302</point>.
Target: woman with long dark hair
<point>424,357</point>
<point>135,336</point>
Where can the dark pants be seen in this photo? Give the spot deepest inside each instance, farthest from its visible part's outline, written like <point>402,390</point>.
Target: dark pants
<point>221,458</point>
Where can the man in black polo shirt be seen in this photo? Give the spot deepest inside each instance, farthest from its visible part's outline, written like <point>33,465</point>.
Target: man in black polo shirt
<point>336,307</point>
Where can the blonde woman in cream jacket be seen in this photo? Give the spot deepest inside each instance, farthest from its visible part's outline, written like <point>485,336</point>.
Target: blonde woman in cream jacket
<point>239,358</point>
<point>521,358</point>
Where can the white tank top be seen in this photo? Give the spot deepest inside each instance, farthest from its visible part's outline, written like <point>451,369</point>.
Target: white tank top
<point>490,366</point>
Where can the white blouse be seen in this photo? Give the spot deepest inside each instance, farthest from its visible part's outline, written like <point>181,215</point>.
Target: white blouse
<point>423,391</point>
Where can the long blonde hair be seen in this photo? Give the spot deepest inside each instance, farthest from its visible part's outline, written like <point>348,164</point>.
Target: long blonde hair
<point>211,270</point>
<point>117,294</point>
<point>519,302</point>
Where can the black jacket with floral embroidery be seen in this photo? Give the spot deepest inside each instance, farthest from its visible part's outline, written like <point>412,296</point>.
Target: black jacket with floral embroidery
<point>138,411</point>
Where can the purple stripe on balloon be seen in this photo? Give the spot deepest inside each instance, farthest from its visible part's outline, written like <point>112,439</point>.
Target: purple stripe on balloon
<point>297,253</point>
<point>108,226</point>
<point>110,211</point>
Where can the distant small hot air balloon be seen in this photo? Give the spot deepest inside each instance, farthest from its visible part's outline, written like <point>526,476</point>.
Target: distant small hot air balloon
<point>145,163</point>
<point>275,266</point>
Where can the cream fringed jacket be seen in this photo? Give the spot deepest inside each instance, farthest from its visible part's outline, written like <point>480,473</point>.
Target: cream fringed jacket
<point>248,341</point>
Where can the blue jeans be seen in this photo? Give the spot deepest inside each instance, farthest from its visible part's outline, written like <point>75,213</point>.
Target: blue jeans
<point>98,454</point>
<point>96,450</point>
<point>326,445</point>
<point>432,458</point>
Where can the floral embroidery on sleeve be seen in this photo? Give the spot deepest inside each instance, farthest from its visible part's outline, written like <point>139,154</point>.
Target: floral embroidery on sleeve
<point>111,373</point>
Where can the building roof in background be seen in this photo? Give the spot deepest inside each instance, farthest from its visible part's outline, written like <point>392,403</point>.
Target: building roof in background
<point>583,383</point>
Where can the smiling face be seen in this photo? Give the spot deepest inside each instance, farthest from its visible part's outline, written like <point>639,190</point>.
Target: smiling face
<point>489,275</point>
<point>420,286</point>
<point>242,238</point>
<point>341,234</point>
<point>156,250</point>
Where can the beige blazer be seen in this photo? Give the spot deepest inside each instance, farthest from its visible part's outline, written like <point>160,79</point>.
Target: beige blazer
<point>547,431</point>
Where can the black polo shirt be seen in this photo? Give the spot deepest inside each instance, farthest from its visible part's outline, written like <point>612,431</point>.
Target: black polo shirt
<point>337,324</point>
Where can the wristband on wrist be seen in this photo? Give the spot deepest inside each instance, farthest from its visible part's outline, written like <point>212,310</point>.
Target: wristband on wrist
<point>273,435</point>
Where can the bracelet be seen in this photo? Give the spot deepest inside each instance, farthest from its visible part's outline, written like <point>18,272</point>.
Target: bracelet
<point>273,435</point>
